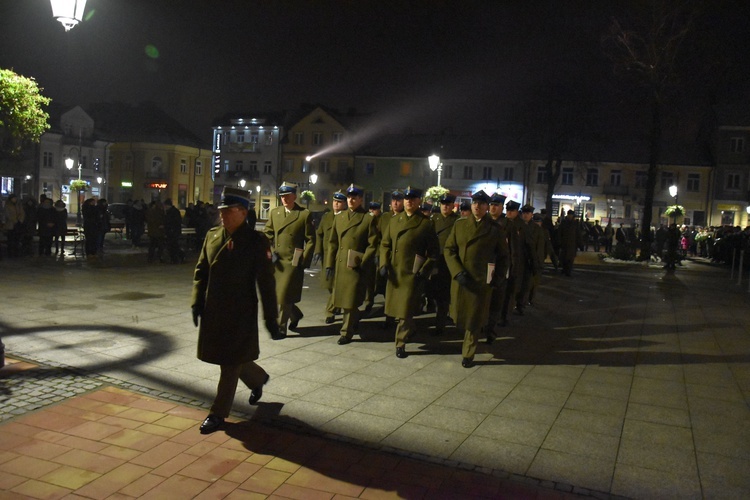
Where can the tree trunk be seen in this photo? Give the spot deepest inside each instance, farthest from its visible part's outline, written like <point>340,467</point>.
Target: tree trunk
<point>653,167</point>
<point>552,177</point>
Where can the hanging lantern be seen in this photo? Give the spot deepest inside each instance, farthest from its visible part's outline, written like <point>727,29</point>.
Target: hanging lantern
<point>68,12</point>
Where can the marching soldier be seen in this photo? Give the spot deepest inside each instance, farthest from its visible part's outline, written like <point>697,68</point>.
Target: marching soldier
<point>474,246</point>
<point>397,206</point>
<point>354,241</point>
<point>519,254</point>
<point>440,282</point>
<point>408,253</point>
<point>323,248</point>
<point>498,293</point>
<point>290,230</point>
<point>535,261</point>
<point>370,289</point>
<point>570,240</point>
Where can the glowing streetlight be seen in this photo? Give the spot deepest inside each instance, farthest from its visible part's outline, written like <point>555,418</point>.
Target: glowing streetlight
<point>313,178</point>
<point>673,194</point>
<point>257,190</point>
<point>242,183</point>
<point>68,12</point>
<point>69,162</point>
<point>435,164</point>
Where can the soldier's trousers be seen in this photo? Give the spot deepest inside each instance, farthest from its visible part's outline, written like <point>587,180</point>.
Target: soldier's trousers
<point>350,324</point>
<point>251,375</point>
<point>288,311</point>
<point>471,337</point>
<point>405,328</point>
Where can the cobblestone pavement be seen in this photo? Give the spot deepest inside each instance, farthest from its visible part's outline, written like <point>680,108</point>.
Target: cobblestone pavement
<point>621,381</point>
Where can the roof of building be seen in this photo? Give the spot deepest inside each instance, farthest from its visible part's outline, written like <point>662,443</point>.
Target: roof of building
<point>144,122</point>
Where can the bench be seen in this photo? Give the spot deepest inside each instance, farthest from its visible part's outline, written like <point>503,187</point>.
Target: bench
<point>76,235</point>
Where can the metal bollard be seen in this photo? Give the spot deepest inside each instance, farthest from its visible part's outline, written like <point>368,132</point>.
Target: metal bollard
<point>739,269</point>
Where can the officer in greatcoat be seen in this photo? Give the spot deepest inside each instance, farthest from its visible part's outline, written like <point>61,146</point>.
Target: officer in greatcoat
<point>477,256</point>
<point>234,258</point>
<point>290,230</point>
<point>497,215</point>
<point>408,253</point>
<point>570,240</point>
<point>397,206</point>
<point>323,248</point>
<point>535,260</point>
<point>354,241</point>
<point>440,281</point>
<point>375,211</point>
<point>520,252</point>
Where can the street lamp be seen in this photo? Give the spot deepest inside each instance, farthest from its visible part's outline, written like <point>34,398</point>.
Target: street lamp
<point>242,183</point>
<point>673,194</point>
<point>435,164</point>
<point>68,12</point>
<point>69,164</point>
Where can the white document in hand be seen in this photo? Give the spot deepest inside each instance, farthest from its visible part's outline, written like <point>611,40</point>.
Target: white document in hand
<point>353,259</point>
<point>418,261</point>
<point>490,272</point>
<point>297,256</point>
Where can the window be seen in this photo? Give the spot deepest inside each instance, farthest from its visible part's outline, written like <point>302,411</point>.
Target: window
<point>486,173</point>
<point>641,177</point>
<point>48,160</point>
<point>592,177</point>
<point>198,167</point>
<point>448,172</point>
<point>508,174</point>
<point>541,174</point>
<point>240,136</point>
<point>733,181</point>
<point>317,138</point>
<point>736,144</point>
<point>324,166</point>
<point>156,164</point>
<point>468,172</point>
<point>128,162</point>
<point>694,182</point>
<point>615,177</point>
<point>288,166</point>
<point>269,138</point>
<point>667,179</point>
<point>238,166</point>
<point>299,138</point>
<point>267,167</point>
<point>254,137</point>
<point>253,166</point>
<point>337,137</point>
<point>567,176</point>
<point>226,165</point>
<point>405,168</point>
<point>305,167</point>
<point>183,167</point>
<point>370,168</point>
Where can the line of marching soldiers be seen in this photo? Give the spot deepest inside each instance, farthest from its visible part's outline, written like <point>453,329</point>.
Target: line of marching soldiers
<point>478,266</point>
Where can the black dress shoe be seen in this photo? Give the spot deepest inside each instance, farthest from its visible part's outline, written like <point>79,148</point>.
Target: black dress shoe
<point>401,352</point>
<point>257,392</point>
<point>330,320</point>
<point>344,340</point>
<point>211,424</point>
<point>467,362</point>
<point>489,340</point>
<point>295,322</point>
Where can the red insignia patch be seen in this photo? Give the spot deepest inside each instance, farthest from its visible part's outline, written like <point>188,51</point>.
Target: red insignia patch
<point>268,255</point>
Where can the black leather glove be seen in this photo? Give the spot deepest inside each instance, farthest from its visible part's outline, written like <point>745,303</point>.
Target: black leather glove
<point>463,278</point>
<point>274,257</point>
<point>197,312</point>
<point>384,271</point>
<point>329,273</point>
<point>317,258</point>
<point>273,328</point>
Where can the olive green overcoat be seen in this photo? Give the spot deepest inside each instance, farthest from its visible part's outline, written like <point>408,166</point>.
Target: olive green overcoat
<point>471,247</point>
<point>287,232</point>
<point>323,246</point>
<point>224,286</point>
<point>405,238</point>
<point>352,230</point>
<point>440,281</point>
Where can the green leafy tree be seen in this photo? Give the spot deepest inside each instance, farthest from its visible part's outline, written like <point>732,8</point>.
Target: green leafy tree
<point>22,117</point>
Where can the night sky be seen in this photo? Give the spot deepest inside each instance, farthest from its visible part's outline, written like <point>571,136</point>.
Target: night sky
<point>424,65</point>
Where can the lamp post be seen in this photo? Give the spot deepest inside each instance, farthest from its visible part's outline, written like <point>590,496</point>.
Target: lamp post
<point>257,190</point>
<point>435,164</point>
<point>69,164</point>
<point>673,194</point>
<point>242,183</point>
<point>311,180</point>
<point>68,12</point>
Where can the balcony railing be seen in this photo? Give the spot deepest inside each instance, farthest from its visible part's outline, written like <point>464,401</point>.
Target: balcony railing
<point>610,189</point>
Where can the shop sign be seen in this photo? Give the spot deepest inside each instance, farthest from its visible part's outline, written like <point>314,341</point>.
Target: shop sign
<point>156,185</point>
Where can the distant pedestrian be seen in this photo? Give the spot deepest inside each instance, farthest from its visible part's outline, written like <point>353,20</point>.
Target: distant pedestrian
<point>61,227</point>
<point>155,221</point>
<point>172,232</point>
<point>46,220</point>
<point>570,241</point>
